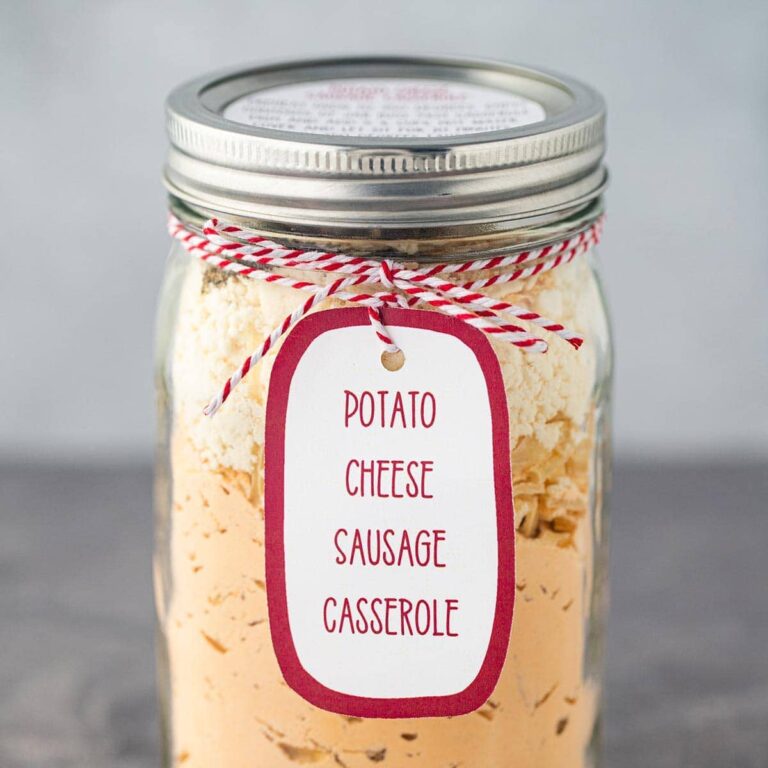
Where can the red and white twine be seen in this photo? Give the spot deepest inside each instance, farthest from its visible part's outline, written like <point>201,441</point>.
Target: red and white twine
<point>244,252</point>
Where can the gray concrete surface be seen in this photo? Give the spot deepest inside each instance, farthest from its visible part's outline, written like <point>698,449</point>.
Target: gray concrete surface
<point>687,681</point>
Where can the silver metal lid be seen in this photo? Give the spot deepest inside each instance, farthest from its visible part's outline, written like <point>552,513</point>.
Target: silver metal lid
<point>386,145</point>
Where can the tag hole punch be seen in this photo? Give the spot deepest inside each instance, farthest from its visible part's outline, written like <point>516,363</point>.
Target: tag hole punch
<point>393,361</point>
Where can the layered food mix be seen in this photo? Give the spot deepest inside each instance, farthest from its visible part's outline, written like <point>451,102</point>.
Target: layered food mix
<point>230,705</point>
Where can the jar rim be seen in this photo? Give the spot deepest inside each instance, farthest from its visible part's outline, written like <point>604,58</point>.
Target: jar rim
<point>427,247</point>
<point>484,181</point>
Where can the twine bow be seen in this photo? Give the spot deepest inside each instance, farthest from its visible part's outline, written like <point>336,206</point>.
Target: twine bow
<point>244,252</point>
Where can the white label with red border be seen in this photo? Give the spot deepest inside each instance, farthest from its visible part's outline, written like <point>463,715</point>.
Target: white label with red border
<point>389,519</point>
<point>384,107</point>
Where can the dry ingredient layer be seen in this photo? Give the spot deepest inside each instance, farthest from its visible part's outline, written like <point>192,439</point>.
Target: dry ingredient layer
<point>230,705</point>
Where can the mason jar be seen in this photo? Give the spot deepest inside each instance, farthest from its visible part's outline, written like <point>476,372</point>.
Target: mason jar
<point>383,371</point>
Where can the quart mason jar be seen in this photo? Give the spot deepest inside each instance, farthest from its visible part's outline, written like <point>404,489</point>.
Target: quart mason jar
<point>411,572</point>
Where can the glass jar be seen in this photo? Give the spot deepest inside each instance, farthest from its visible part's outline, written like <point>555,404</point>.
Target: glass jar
<point>416,162</point>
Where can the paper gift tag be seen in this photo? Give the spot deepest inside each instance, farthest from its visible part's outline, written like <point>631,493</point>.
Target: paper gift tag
<point>389,518</point>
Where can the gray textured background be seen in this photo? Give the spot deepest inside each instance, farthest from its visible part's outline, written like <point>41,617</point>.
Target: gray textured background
<point>82,144</point>
<point>687,671</point>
